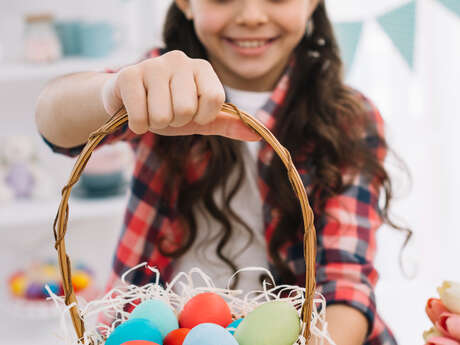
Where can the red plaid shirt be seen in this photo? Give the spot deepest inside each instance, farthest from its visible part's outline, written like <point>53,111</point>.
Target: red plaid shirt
<point>346,239</point>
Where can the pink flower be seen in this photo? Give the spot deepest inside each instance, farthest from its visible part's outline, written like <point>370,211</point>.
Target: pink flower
<point>449,325</point>
<point>434,308</point>
<point>441,341</point>
<point>450,296</point>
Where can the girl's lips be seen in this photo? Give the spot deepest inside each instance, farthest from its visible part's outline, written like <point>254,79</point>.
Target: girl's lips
<point>248,50</point>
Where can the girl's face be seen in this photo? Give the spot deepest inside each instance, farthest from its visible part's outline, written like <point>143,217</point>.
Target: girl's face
<point>249,42</point>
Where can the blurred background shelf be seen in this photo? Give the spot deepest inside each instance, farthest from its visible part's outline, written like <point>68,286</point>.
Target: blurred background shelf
<point>23,71</point>
<point>26,213</point>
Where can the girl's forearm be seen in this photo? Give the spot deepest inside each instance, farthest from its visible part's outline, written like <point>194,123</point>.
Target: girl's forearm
<point>70,108</point>
<point>346,325</point>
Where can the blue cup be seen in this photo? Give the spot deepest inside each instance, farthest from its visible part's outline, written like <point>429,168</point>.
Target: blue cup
<point>97,39</point>
<point>69,36</point>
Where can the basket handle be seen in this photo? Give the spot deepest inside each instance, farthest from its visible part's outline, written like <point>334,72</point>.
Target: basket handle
<point>116,121</point>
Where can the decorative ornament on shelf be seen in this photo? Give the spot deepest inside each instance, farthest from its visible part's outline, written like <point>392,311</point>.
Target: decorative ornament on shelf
<point>21,176</point>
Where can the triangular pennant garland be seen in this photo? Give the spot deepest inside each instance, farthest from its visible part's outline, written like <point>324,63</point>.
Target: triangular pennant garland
<point>453,5</point>
<point>348,35</point>
<point>399,25</point>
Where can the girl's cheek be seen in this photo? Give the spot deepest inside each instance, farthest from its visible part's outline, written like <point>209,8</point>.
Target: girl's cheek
<point>292,18</point>
<point>210,25</point>
<point>294,22</point>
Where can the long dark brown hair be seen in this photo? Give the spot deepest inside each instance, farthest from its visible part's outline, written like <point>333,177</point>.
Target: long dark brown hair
<point>317,112</point>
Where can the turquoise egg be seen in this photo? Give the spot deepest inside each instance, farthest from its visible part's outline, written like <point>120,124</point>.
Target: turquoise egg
<point>209,334</point>
<point>233,325</point>
<point>135,329</point>
<point>271,323</point>
<point>159,313</point>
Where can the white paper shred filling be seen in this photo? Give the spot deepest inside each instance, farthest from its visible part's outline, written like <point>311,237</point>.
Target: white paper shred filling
<point>113,302</point>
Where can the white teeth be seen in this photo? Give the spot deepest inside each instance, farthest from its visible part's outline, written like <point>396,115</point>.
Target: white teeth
<point>250,44</point>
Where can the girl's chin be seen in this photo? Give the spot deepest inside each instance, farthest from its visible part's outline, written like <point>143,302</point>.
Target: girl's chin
<point>250,78</point>
<point>254,73</point>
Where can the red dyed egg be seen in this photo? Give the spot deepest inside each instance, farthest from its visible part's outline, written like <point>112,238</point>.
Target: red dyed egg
<point>203,308</point>
<point>176,337</point>
<point>139,342</point>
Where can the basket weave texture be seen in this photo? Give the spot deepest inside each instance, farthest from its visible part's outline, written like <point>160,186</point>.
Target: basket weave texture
<point>115,122</point>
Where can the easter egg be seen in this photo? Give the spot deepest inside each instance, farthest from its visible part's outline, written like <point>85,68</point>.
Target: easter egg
<point>271,323</point>
<point>53,286</point>
<point>18,285</point>
<point>176,337</point>
<point>34,291</point>
<point>159,313</point>
<point>209,334</point>
<point>135,329</point>
<point>139,342</point>
<point>80,280</point>
<point>15,275</point>
<point>232,327</point>
<point>203,308</point>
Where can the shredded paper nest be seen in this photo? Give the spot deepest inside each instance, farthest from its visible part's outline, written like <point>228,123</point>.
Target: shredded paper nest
<point>112,305</point>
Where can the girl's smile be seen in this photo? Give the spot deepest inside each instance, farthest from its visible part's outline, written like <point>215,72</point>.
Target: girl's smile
<point>249,46</point>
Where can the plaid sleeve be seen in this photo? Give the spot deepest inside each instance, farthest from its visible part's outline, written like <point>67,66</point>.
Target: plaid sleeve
<point>347,236</point>
<point>121,134</point>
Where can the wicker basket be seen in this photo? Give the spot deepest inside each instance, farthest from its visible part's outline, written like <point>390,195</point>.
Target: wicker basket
<point>120,118</point>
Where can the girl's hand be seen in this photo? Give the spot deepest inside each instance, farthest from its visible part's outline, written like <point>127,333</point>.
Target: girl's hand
<point>173,95</point>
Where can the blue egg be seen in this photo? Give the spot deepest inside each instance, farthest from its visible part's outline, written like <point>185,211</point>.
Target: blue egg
<point>159,313</point>
<point>232,327</point>
<point>54,287</point>
<point>209,334</point>
<point>135,329</point>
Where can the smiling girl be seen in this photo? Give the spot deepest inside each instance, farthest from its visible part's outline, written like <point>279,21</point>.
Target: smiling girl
<point>201,199</point>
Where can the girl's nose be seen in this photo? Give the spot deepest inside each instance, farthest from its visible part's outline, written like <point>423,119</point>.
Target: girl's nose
<point>251,13</point>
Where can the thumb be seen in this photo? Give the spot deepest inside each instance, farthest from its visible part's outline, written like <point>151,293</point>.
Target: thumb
<point>111,101</point>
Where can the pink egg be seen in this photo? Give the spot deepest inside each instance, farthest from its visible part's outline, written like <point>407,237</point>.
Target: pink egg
<point>139,342</point>
<point>205,307</point>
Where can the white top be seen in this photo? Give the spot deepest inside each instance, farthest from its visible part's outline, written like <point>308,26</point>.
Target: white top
<point>247,203</point>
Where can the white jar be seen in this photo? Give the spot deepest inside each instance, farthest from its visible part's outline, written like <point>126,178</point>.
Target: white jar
<point>41,42</point>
